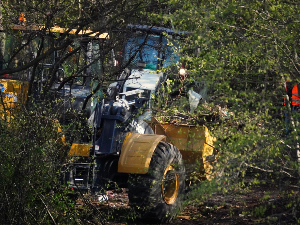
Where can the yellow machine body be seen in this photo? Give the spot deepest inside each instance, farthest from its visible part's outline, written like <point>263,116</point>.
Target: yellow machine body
<point>14,93</point>
<point>83,150</point>
<point>80,150</point>
<point>194,142</point>
<point>137,151</point>
<point>195,145</point>
<point>57,29</point>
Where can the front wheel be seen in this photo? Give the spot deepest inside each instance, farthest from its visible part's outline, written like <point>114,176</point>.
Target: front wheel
<point>158,195</point>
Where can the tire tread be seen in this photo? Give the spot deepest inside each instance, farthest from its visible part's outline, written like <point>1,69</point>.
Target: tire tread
<point>145,189</point>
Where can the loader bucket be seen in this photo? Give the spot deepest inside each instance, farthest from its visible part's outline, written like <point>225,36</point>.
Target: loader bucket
<point>195,145</point>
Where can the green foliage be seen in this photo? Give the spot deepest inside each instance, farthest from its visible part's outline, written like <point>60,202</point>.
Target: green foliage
<point>32,157</point>
<point>259,211</point>
<point>248,49</point>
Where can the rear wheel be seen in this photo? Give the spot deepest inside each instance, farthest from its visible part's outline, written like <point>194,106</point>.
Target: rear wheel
<point>158,195</point>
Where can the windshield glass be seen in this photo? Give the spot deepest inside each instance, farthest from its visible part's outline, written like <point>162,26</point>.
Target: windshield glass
<point>170,54</point>
<point>157,50</point>
<point>148,53</point>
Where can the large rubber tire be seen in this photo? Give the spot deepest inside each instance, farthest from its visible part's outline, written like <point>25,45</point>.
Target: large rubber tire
<point>159,194</point>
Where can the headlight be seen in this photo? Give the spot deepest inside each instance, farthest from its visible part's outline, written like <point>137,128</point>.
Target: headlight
<point>182,72</point>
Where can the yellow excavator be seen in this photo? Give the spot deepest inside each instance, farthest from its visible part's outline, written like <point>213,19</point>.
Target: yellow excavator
<point>152,159</point>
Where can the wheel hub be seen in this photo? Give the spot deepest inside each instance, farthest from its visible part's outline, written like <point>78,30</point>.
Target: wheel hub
<point>170,185</point>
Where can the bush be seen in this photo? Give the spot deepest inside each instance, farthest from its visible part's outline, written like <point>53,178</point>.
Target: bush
<point>32,156</point>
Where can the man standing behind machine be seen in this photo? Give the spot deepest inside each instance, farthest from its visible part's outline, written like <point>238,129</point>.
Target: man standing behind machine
<point>293,98</point>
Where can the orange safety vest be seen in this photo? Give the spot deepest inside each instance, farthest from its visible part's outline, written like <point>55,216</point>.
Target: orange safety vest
<point>295,96</point>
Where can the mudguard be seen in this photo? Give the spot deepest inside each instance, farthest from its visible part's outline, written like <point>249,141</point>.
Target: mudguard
<point>137,151</point>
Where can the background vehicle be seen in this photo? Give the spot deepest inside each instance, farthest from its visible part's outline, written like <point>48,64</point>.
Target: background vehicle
<point>50,77</point>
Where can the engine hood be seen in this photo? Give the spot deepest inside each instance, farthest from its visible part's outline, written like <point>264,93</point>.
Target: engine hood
<point>143,79</point>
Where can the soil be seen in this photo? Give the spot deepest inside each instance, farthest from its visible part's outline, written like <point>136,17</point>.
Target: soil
<point>263,204</point>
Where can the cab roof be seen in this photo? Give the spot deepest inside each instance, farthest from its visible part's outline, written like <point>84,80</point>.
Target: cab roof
<point>157,30</point>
